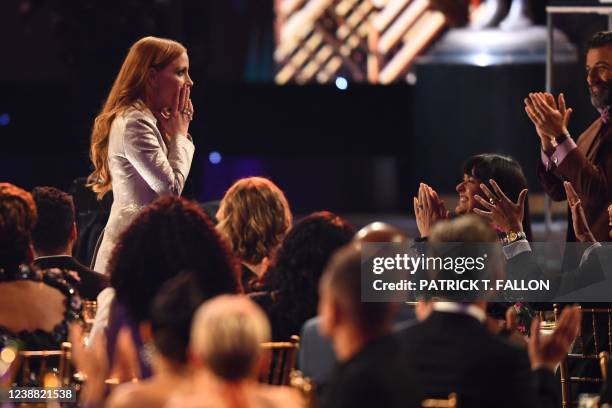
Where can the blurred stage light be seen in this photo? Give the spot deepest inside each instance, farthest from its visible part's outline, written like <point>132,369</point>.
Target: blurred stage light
<point>214,157</point>
<point>482,60</point>
<point>341,83</point>
<point>5,119</point>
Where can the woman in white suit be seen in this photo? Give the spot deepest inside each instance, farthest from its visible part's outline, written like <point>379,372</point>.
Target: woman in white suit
<point>140,146</point>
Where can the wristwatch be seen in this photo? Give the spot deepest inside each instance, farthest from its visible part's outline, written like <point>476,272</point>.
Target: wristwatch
<point>562,138</point>
<point>511,237</point>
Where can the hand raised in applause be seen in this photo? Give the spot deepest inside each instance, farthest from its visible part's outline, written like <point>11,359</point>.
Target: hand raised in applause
<point>581,227</point>
<point>505,213</point>
<point>429,208</point>
<point>549,119</point>
<point>548,350</point>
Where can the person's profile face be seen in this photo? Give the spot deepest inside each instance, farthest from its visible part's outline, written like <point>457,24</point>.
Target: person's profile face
<point>469,187</point>
<point>599,75</point>
<point>169,80</point>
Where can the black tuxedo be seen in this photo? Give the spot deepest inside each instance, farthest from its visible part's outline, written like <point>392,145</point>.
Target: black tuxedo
<point>91,282</point>
<point>452,352</point>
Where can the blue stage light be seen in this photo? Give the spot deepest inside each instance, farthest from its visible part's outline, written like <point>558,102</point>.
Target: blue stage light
<point>5,119</point>
<point>214,157</point>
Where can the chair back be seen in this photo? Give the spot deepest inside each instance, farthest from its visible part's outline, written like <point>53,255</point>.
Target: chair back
<point>594,338</point>
<point>450,402</point>
<point>604,360</point>
<point>39,368</point>
<point>282,360</point>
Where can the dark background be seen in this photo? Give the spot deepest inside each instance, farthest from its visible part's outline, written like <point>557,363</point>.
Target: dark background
<point>360,150</point>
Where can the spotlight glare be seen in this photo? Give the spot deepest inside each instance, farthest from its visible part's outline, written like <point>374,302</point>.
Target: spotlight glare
<point>5,119</point>
<point>482,60</point>
<point>8,355</point>
<point>341,83</point>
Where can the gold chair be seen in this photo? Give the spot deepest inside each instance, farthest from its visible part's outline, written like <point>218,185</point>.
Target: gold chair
<point>282,360</point>
<point>40,368</point>
<point>594,319</point>
<point>451,402</point>
<point>604,359</point>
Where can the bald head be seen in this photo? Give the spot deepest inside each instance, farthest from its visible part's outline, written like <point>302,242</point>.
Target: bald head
<point>226,335</point>
<point>380,232</point>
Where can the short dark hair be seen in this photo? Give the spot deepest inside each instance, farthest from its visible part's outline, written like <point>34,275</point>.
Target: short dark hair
<point>599,39</point>
<point>171,314</point>
<point>171,235</point>
<point>343,278</point>
<point>507,173</point>
<point>55,218</point>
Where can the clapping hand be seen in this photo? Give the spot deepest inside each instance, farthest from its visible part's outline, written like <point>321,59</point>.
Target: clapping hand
<point>548,351</point>
<point>549,119</point>
<point>581,227</point>
<point>505,213</point>
<point>429,208</point>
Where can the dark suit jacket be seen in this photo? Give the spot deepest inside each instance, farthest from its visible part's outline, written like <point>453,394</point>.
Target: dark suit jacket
<point>589,169</point>
<point>91,282</point>
<point>456,353</point>
<point>374,377</point>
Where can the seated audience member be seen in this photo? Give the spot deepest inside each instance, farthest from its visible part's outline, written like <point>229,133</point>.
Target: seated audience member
<point>478,171</point>
<point>225,345</point>
<point>254,217</point>
<point>368,373</point>
<point>168,332</point>
<point>453,351</point>
<point>36,304</point>
<point>169,236</point>
<point>316,358</point>
<point>294,280</point>
<point>481,173</point>
<point>54,237</point>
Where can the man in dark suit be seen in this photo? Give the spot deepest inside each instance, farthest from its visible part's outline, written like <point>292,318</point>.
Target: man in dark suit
<point>54,237</point>
<point>453,350</point>
<point>368,373</point>
<point>586,163</point>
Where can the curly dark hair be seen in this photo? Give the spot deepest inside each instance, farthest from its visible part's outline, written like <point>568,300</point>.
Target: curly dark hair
<point>17,219</point>
<point>301,259</point>
<point>171,235</point>
<point>55,218</point>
